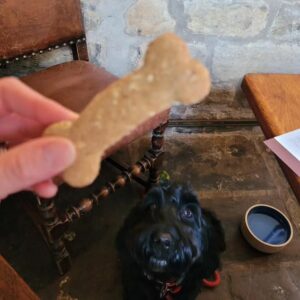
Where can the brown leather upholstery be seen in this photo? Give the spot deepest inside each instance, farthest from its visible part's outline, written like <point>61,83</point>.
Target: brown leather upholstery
<point>27,26</point>
<point>74,84</point>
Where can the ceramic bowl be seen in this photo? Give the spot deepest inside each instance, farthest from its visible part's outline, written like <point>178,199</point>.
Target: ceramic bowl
<point>266,228</point>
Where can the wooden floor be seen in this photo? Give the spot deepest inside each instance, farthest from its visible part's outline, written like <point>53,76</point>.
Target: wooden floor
<point>231,170</point>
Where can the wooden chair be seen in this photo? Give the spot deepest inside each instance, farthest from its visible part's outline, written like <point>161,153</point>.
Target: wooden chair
<point>12,286</point>
<point>32,27</point>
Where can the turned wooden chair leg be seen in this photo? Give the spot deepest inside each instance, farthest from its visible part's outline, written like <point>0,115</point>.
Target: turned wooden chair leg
<point>53,233</point>
<point>157,143</point>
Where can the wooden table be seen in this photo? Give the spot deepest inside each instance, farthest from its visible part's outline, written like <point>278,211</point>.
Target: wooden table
<point>12,286</point>
<point>275,100</point>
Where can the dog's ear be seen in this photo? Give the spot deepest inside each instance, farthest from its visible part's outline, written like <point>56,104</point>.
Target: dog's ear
<point>215,231</point>
<point>188,195</point>
<point>155,194</point>
<point>214,239</point>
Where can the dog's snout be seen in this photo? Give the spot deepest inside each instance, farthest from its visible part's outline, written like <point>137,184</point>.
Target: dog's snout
<point>163,239</point>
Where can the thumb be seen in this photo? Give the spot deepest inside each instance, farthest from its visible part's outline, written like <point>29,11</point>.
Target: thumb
<point>34,162</point>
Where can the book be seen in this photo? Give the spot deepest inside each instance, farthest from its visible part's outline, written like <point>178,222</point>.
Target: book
<point>287,148</point>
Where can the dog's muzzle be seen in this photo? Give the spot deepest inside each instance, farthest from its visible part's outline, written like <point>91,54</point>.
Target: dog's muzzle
<point>164,251</point>
<point>162,244</point>
<point>162,241</point>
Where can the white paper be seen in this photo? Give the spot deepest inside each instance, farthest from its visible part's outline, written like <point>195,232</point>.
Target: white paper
<point>291,142</point>
<point>287,148</point>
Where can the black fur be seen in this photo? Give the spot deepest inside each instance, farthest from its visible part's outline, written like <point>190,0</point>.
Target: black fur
<point>168,237</point>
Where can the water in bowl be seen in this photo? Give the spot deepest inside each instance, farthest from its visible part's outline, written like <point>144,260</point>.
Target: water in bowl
<point>268,226</point>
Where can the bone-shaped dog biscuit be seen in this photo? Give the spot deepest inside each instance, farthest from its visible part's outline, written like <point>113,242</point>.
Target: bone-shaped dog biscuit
<point>169,76</point>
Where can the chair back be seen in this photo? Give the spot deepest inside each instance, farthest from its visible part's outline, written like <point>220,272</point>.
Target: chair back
<point>29,27</point>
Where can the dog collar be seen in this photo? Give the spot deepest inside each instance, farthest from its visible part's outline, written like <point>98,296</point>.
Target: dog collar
<point>212,283</point>
<point>168,289</point>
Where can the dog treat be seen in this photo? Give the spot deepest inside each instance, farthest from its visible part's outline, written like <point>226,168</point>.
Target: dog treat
<point>169,76</point>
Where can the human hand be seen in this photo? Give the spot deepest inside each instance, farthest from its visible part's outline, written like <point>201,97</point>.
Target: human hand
<point>33,160</point>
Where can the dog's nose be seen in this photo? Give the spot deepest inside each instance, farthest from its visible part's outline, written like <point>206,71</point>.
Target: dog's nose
<point>163,239</point>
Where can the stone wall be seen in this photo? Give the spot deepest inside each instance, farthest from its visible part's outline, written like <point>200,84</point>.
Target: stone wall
<point>231,37</point>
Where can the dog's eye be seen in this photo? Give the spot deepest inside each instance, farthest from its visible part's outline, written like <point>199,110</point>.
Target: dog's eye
<point>186,213</point>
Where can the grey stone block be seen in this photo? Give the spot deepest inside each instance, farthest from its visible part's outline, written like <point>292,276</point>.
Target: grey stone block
<point>226,18</point>
<point>232,61</point>
<point>149,18</point>
<point>286,25</point>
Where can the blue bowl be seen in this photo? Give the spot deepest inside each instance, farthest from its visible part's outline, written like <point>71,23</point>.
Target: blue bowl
<point>266,228</point>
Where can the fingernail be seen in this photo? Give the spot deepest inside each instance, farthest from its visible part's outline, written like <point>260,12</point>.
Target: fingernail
<point>59,153</point>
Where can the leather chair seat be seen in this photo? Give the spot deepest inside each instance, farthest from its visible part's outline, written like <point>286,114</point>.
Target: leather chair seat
<point>74,84</point>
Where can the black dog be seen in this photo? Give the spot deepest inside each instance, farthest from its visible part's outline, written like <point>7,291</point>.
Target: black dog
<point>168,245</point>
